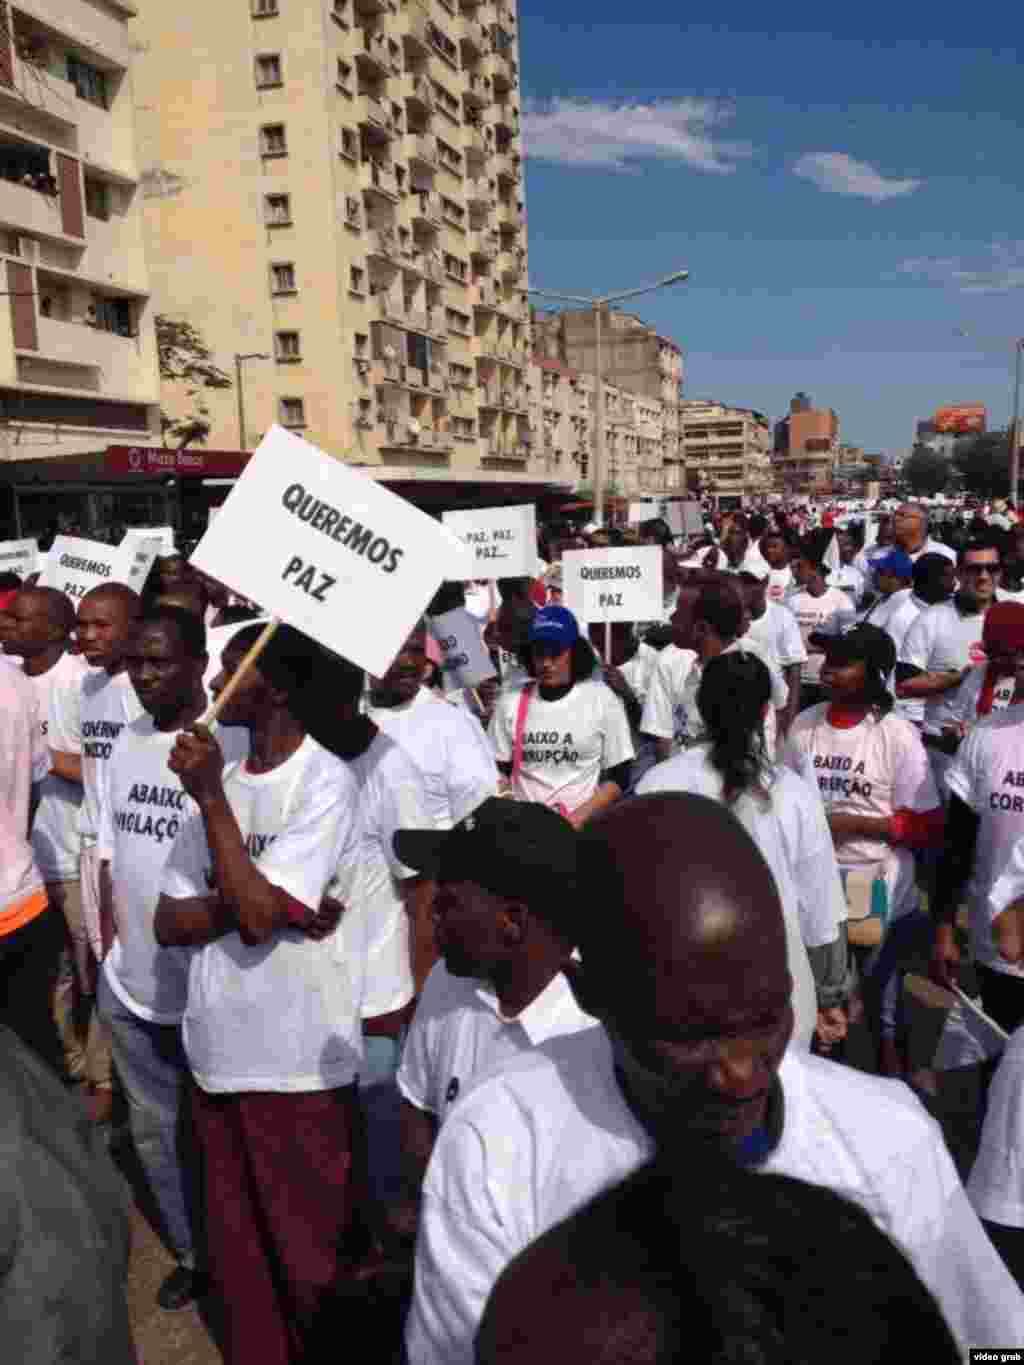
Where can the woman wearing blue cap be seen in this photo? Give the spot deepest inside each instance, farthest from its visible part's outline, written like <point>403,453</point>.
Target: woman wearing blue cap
<point>562,738</point>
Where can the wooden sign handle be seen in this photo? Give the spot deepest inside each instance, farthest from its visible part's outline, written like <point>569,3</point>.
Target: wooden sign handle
<point>258,646</point>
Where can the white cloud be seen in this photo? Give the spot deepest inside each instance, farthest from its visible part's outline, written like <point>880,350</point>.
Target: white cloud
<point>576,132</point>
<point>998,270</point>
<point>840,174</point>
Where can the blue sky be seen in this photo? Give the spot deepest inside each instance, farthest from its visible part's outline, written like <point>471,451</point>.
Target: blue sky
<point>844,199</point>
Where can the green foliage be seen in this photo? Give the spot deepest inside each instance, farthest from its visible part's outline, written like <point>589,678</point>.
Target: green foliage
<point>926,471</point>
<point>984,463</point>
<point>186,359</point>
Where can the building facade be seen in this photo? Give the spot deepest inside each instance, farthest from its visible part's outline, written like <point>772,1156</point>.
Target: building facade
<point>334,193</point>
<point>726,450</point>
<point>806,448</point>
<point>78,358</point>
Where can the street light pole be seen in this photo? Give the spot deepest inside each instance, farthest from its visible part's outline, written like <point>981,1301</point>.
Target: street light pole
<point>1015,425</point>
<point>598,305</point>
<point>240,392</point>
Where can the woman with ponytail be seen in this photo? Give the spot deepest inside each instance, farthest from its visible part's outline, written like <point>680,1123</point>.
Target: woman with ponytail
<point>786,821</point>
<point>881,804</point>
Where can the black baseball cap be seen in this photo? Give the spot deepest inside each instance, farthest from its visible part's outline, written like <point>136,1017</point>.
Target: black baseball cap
<point>519,849</point>
<point>861,643</point>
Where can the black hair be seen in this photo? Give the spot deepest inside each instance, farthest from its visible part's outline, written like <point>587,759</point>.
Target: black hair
<point>721,1265</point>
<point>656,528</point>
<point>9,581</point>
<point>813,547</point>
<point>448,597</point>
<point>929,567</point>
<point>734,690</point>
<point>236,615</point>
<point>719,605</point>
<point>514,589</point>
<point>583,662</point>
<point>658,637</point>
<point>521,611</point>
<point>191,631</point>
<point>976,543</point>
<point>288,662</point>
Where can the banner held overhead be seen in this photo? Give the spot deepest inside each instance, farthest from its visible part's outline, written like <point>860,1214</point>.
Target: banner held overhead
<point>614,585</point>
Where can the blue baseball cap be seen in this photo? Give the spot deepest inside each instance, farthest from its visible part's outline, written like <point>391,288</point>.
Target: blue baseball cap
<point>896,562</point>
<point>554,626</point>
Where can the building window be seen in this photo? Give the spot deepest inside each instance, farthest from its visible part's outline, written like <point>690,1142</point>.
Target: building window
<point>340,10</point>
<point>113,315</point>
<point>279,210</point>
<point>349,146</point>
<point>282,278</point>
<point>273,141</point>
<point>356,280</point>
<point>360,343</point>
<point>344,76</point>
<point>264,9</point>
<point>97,199</point>
<point>268,70</point>
<point>287,347</point>
<point>89,81</point>
<point>293,412</point>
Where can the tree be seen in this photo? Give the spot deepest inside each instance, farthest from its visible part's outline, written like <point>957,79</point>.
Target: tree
<point>926,471</point>
<point>186,359</point>
<point>984,462</point>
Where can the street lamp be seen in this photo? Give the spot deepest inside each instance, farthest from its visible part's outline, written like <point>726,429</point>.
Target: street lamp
<point>1012,435</point>
<point>239,361</point>
<point>598,305</point>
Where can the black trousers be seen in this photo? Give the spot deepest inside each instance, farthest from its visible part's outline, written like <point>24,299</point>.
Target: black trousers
<point>1002,997</point>
<point>29,963</point>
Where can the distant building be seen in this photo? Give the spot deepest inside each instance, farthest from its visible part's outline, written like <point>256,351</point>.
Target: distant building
<point>726,450</point>
<point>806,447</point>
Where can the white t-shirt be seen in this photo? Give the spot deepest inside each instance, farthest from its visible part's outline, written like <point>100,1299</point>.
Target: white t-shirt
<point>849,579</point>
<point>664,715</point>
<point>458,1032</point>
<point>449,748</point>
<point>874,768</point>
<point>942,639</point>
<point>933,547</point>
<point>24,760</point>
<point>996,1182</point>
<point>778,633</point>
<point>985,775</point>
<point>639,670</point>
<point>375,927</point>
<point>142,807</point>
<point>967,696</point>
<point>56,842</point>
<point>108,705</point>
<point>533,1143</point>
<point>567,744</point>
<point>282,1016</point>
<point>780,583</point>
<point>793,835</point>
<point>826,613</point>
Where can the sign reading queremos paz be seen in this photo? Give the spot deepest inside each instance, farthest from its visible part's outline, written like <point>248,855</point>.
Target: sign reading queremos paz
<point>325,549</point>
<point>75,566</point>
<point>613,585</point>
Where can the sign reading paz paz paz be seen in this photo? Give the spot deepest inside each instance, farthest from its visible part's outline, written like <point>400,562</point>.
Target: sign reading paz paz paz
<point>503,540</point>
<point>75,566</point>
<point>613,585</point>
<point>326,550</point>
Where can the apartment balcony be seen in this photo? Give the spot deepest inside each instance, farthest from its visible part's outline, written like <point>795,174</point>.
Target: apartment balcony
<point>383,245</point>
<point>509,214</point>
<point>375,113</point>
<point>483,296</point>
<point>503,70</point>
<point>483,246</point>
<point>393,374</point>
<point>390,308</point>
<point>478,92</point>
<point>378,179</point>
<point>499,397</point>
<point>370,8</point>
<point>33,211</point>
<point>510,267</point>
<point>505,166</point>
<point>480,194</point>
<point>506,448</point>
<point>475,42</point>
<point>373,56</point>
<point>118,363</point>
<point>426,208</point>
<point>418,91</point>
<point>422,148</point>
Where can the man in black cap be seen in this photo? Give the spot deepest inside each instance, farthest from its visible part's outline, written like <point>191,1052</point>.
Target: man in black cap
<point>504,874</point>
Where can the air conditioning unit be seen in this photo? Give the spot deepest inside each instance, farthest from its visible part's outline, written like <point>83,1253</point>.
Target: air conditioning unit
<point>362,365</point>
<point>28,249</point>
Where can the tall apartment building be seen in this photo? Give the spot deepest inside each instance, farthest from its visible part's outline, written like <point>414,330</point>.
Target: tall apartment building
<point>78,360</point>
<point>806,447</point>
<point>726,450</point>
<point>563,404</point>
<point>334,189</point>
<point>634,358</point>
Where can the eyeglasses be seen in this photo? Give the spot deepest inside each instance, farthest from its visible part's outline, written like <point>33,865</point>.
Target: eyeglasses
<point>976,570</point>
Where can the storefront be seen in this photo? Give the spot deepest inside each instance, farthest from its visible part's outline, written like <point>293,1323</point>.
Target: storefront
<point>101,495</point>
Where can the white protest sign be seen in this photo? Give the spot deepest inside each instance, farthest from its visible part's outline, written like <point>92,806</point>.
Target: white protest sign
<point>163,535</point>
<point>643,511</point>
<point>76,566</point>
<point>19,556</point>
<point>460,566</point>
<point>325,549</point>
<point>613,585</point>
<point>503,539</point>
<point>464,660</point>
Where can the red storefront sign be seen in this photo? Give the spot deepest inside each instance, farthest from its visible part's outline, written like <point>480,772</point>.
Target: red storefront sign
<point>196,464</point>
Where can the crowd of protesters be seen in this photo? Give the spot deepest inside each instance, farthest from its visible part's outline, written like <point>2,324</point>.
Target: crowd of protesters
<point>479,1024</point>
